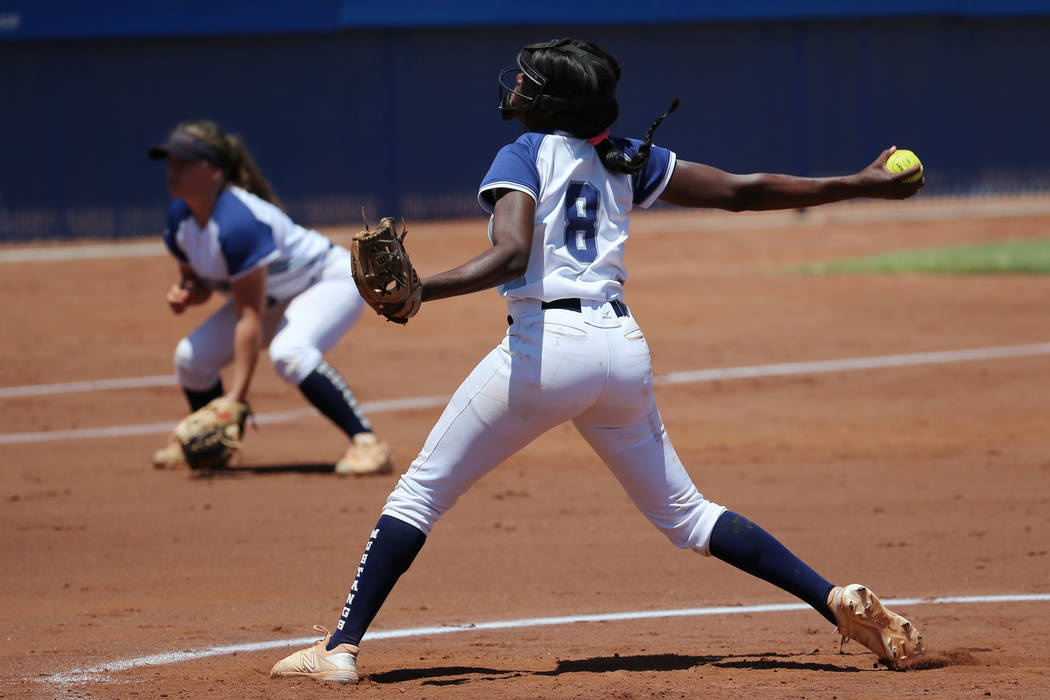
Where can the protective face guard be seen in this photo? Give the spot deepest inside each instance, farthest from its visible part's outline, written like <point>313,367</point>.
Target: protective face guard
<point>508,81</point>
<point>507,86</point>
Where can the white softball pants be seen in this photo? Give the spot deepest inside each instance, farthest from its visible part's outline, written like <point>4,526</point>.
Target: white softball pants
<point>298,331</point>
<point>556,365</point>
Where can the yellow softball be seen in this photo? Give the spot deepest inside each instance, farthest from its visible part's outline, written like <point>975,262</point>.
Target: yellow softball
<point>902,159</point>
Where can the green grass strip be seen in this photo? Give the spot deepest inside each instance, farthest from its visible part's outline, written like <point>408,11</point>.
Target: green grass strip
<point>1029,257</point>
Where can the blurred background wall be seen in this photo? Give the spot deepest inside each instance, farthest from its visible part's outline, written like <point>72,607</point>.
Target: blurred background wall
<point>392,105</point>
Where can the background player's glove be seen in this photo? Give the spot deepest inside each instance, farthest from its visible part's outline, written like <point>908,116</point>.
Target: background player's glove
<point>212,434</point>
<point>384,273</point>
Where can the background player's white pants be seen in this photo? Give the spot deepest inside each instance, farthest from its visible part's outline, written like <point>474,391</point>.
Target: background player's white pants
<point>298,331</point>
<point>553,366</point>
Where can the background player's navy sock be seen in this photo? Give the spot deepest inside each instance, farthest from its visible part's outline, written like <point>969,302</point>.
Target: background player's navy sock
<point>391,549</point>
<point>738,541</point>
<point>200,399</point>
<point>326,390</point>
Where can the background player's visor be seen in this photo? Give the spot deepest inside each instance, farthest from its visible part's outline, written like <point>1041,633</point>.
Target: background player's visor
<point>182,144</point>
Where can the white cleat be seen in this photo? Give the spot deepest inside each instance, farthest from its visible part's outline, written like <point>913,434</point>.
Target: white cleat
<point>338,665</point>
<point>170,456</point>
<point>367,454</point>
<point>862,617</point>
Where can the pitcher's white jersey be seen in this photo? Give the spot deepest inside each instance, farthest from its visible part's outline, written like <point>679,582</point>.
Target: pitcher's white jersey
<point>243,233</point>
<point>581,212</point>
<point>586,362</point>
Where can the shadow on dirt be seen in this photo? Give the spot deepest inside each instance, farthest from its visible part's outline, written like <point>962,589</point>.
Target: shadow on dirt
<point>235,472</point>
<point>456,675</point>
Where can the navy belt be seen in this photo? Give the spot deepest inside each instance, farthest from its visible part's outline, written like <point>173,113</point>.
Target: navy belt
<point>619,308</point>
<point>576,305</point>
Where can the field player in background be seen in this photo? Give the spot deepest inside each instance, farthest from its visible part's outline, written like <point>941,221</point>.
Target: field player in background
<point>560,197</point>
<point>288,287</point>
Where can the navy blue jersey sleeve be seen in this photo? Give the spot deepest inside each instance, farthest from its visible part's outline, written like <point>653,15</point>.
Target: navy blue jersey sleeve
<point>177,213</point>
<point>653,175</point>
<point>245,241</point>
<point>513,168</point>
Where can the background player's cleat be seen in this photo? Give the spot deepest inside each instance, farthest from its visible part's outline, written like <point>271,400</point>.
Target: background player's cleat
<point>366,455</point>
<point>338,665</point>
<point>170,456</point>
<point>862,618</point>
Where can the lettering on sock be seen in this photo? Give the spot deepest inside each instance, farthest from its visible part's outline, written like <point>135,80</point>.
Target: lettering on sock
<point>329,373</point>
<point>354,586</point>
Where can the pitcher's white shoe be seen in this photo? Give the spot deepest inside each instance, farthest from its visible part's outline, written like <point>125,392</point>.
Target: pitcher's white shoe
<point>862,617</point>
<point>338,665</point>
<point>367,454</point>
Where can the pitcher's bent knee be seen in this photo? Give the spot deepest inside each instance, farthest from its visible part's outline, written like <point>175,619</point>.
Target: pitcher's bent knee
<point>689,525</point>
<point>417,504</point>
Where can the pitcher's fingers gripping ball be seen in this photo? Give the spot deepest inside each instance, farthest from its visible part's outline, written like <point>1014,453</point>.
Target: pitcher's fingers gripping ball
<point>384,273</point>
<point>902,159</point>
<point>211,435</point>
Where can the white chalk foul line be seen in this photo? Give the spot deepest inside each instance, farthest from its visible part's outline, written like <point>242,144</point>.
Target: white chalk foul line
<point>164,428</point>
<point>704,375</point>
<point>918,358</point>
<point>96,673</point>
<point>11,392</point>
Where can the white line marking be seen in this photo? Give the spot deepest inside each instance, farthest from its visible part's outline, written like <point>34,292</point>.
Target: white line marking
<point>164,428</point>
<point>703,375</point>
<point>919,358</point>
<point>91,251</point>
<point>96,673</point>
<point>12,392</point>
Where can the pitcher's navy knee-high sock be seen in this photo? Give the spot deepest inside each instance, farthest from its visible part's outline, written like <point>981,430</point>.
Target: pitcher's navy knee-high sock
<point>200,399</point>
<point>329,394</point>
<point>738,541</point>
<point>391,549</point>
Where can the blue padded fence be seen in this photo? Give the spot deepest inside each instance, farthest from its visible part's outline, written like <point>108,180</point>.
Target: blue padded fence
<point>403,119</point>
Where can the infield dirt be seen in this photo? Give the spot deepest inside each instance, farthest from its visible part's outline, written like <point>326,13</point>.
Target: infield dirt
<point>921,481</point>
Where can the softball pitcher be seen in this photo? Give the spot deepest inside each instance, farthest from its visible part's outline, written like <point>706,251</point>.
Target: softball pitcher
<point>560,198</point>
<point>289,288</point>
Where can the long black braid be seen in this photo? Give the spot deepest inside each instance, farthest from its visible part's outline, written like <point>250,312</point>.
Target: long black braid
<point>617,161</point>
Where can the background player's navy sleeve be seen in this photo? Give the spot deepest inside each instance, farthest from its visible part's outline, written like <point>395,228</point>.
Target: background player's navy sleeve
<point>653,175</point>
<point>245,241</point>
<point>513,168</point>
<point>177,213</point>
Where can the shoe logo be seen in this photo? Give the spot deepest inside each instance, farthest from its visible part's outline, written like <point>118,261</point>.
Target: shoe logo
<point>881,619</point>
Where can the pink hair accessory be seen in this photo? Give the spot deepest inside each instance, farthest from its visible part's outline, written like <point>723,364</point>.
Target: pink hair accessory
<point>595,140</point>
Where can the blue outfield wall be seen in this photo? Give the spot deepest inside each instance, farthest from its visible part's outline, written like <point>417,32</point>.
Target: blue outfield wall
<point>64,19</point>
<point>403,120</point>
